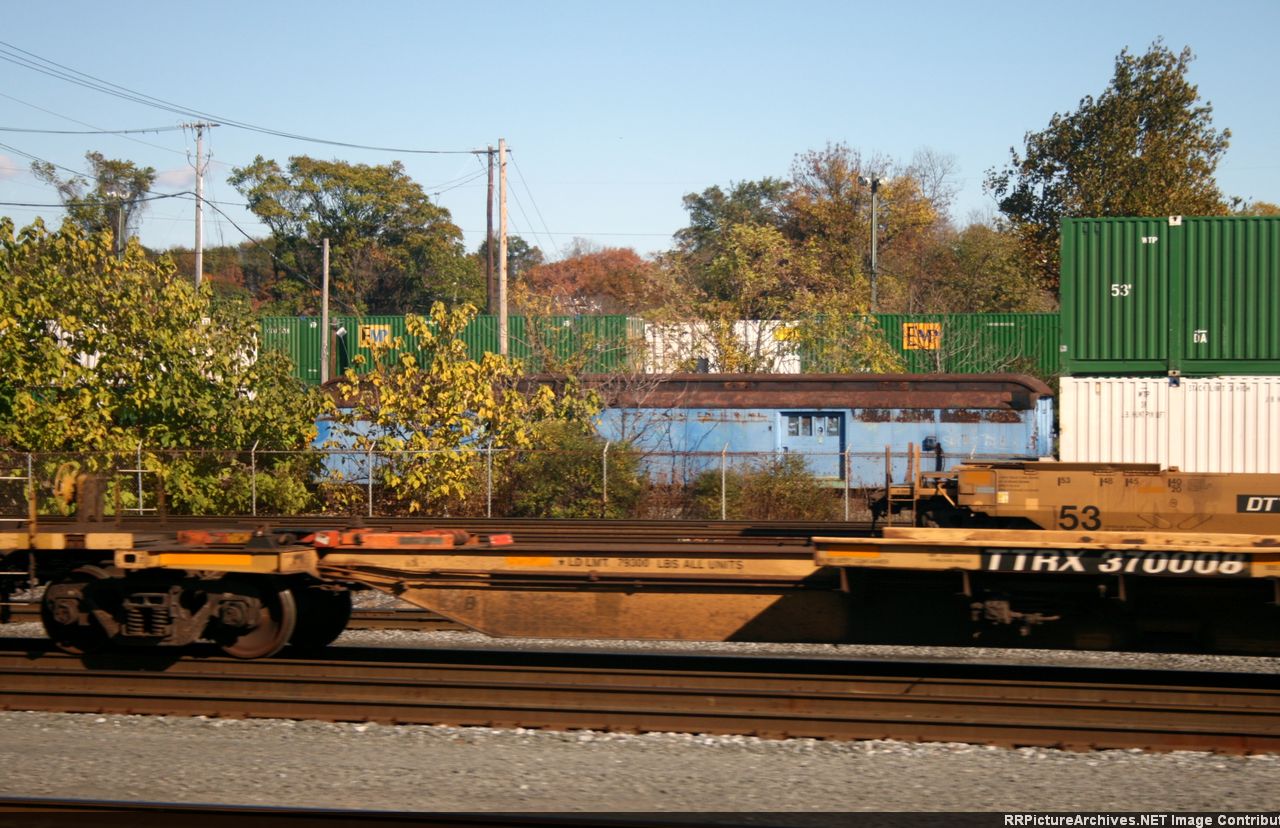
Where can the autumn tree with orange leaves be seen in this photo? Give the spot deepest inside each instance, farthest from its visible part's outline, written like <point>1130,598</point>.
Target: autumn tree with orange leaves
<point>599,280</point>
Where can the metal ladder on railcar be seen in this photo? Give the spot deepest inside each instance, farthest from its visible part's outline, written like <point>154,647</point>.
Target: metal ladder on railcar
<point>918,483</point>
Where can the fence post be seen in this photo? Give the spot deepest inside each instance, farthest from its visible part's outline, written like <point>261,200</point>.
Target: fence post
<point>369,475</point>
<point>31,507</point>
<point>139,474</point>
<point>488,474</point>
<point>848,481</point>
<point>724,474</point>
<point>253,477</point>
<point>604,480</point>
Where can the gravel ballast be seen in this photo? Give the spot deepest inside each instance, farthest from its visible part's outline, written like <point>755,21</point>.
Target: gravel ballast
<point>467,769</point>
<point>343,765</point>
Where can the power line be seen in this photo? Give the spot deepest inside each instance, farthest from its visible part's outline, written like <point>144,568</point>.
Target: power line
<point>157,197</point>
<point>86,176</point>
<point>91,131</point>
<point>14,149</point>
<point>36,63</point>
<point>536,209</point>
<point>277,259</point>
<point>83,123</point>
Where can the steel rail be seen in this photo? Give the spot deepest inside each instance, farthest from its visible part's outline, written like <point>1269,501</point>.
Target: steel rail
<point>419,620</point>
<point>361,619</point>
<point>132,814</point>
<point>1005,705</point>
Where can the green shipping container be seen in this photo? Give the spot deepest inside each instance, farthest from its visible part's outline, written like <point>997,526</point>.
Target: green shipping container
<point>1196,296</point>
<point>969,343</point>
<point>298,337</point>
<point>593,344</point>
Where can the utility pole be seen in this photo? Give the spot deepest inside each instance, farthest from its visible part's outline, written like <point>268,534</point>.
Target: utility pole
<point>875,199</point>
<point>490,293</point>
<point>324,315</point>
<point>199,127</point>
<point>120,229</point>
<point>874,183</point>
<point>502,246</point>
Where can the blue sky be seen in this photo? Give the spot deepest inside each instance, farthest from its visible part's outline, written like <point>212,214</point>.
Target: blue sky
<point>613,110</point>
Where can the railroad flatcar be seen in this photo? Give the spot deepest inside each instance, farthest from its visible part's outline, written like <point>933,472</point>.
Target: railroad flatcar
<point>1090,498</point>
<point>1042,552</point>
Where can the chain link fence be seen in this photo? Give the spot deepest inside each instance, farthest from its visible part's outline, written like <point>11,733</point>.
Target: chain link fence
<point>615,481</point>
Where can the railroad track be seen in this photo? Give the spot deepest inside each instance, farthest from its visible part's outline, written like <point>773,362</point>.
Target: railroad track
<point>53,812</point>
<point>769,697</point>
<point>419,620</point>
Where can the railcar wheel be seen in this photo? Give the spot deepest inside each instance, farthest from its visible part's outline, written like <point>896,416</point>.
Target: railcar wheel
<point>323,613</point>
<point>66,604</point>
<point>277,617</point>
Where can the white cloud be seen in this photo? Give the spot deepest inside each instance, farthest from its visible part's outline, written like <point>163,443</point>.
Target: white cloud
<point>182,178</point>
<point>9,168</point>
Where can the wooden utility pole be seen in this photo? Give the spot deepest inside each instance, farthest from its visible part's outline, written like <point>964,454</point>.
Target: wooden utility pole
<point>200,127</point>
<point>324,314</point>
<point>490,291</point>
<point>502,246</point>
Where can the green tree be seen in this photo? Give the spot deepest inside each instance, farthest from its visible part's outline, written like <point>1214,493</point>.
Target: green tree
<point>713,211</point>
<point>110,199</point>
<point>836,336</point>
<point>521,256</point>
<point>829,209</point>
<point>1257,208</point>
<point>1146,146</point>
<point>392,249</point>
<point>758,275</point>
<point>980,269</point>
<point>101,354</point>
<point>438,417</point>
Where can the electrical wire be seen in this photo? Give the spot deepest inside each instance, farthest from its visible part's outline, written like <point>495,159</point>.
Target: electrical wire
<point>532,232</point>
<point>24,154</point>
<point>82,123</point>
<point>277,259</point>
<point>536,208</point>
<point>34,62</point>
<point>91,131</point>
<point>155,197</point>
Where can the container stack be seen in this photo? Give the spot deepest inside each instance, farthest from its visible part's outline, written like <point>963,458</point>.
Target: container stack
<point>1171,342</point>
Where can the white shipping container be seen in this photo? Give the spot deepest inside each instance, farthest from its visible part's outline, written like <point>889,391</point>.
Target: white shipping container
<point>678,346</point>
<point>1222,424</point>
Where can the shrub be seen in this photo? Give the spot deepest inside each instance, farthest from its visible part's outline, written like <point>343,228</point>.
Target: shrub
<point>562,477</point>
<point>778,489</point>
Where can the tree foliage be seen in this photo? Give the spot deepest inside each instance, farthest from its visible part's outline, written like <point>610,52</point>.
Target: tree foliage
<point>1146,146</point>
<point>521,257</point>
<point>713,211</point>
<point>438,418</point>
<point>980,269</point>
<point>605,280</point>
<point>822,217</point>
<point>101,354</point>
<point>781,488</point>
<point>391,249</point>
<point>836,336</point>
<point>111,203</point>
<point>565,478</point>
<point>829,209</point>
